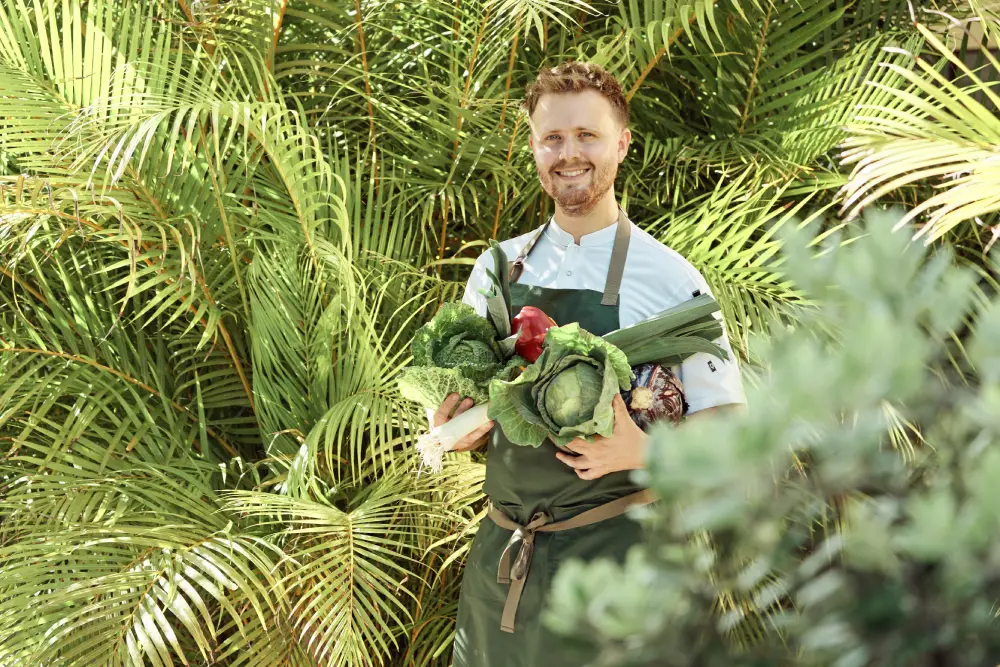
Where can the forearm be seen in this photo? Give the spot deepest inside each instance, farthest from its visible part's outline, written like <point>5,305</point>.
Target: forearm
<point>727,409</point>
<point>642,444</point>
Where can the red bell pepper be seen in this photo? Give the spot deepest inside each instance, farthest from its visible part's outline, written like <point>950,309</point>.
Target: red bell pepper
<point>530,325</point>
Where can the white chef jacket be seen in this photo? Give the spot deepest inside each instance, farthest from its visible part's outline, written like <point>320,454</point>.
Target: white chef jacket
<point>656,278</point>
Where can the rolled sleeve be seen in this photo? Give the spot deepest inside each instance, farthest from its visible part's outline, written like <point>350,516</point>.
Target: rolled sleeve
<point>709,381</point>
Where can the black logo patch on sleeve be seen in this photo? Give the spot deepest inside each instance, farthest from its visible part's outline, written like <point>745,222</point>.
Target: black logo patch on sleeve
<point>712,366</point>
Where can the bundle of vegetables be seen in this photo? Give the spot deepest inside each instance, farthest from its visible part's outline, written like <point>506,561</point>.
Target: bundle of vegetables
<point>460,352</point>
<point>567,391</point>
<point>566,394</point>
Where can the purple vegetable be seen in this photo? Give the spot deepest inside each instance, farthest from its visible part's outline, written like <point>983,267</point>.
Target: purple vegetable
<point>656,395</point>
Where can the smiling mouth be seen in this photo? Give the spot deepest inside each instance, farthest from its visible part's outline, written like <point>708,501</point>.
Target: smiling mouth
<point>572,173</point>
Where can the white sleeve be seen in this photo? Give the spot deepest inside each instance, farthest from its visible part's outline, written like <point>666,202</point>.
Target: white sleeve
<point>478,280</point>
<point>709,381</point>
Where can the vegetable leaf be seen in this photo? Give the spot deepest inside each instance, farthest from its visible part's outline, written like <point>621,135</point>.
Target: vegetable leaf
<point>512,407</point>
<point>498,306</point>
<point>430,385</point>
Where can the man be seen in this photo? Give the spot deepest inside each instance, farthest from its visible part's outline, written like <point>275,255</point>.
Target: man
<point>588,264</point>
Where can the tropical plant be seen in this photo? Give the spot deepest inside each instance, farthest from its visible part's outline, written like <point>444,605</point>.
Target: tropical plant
<point>221,224</point>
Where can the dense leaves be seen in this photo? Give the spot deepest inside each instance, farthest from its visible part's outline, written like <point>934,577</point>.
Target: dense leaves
<point>221,224</point>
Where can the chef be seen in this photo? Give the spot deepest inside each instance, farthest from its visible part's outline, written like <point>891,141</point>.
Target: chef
<point>589,264</point>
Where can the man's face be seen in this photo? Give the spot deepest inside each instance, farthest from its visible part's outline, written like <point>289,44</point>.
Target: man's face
<point>578,145</point>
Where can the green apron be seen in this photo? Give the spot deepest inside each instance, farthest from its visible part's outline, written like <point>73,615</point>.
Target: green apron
<point>522,482</point>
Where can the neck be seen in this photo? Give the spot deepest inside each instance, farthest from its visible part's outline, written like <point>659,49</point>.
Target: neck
<point>603,215</point>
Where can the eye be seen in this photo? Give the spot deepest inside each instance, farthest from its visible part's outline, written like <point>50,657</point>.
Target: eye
<point>586,134</point>
<point>551,137</point>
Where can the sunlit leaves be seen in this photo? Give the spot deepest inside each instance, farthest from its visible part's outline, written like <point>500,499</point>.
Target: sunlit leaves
<point>941,134</point>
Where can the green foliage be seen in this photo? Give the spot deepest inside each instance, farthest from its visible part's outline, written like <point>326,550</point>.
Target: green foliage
<point>907,576</point>
<point>898,146</point>
<point>222,223</point>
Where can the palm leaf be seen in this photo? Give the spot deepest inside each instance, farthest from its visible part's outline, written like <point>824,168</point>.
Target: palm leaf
<point>942,134</point>
<point>134,560</point>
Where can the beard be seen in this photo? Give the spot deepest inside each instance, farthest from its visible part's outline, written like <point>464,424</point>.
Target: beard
<point>579,199</point>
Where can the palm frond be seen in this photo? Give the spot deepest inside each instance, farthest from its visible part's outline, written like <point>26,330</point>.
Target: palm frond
<point>940,134</point>
<point>350,568</point>
<point>732,237</point>
<point>121,566</point>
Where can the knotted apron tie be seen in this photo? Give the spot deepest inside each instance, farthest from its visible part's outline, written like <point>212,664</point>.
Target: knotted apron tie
<point>542,522</point>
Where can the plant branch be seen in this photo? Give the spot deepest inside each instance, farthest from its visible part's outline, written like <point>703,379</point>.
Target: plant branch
<point>364,67</point>
<point>277,32</point>
<point>756,66</point>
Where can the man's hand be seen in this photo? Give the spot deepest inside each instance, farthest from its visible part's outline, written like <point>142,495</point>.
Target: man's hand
<point>450,409</point>
<point>624,450</point>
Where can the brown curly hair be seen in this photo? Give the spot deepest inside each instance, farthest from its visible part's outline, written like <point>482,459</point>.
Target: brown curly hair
<point>575,76</point>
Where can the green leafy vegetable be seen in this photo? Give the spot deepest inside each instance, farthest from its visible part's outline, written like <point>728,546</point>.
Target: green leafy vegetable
<point>672,336</point>
<point>571,393</point>
<point>566,394</point>
<point>459,338</point>
<point>430,385</point>
<point>498,294</point>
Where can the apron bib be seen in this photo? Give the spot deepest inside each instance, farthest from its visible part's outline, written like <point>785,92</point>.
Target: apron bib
<point>524,482</point>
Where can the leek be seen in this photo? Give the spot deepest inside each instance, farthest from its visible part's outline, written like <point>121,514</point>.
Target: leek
<point>673,335</point>
<point>433,445</point>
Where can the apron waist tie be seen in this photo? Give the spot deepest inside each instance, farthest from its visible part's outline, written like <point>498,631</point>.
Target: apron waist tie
<point>542,522</point>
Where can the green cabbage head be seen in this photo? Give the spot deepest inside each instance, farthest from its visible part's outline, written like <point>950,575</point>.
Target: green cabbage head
<point>459,338</point>
<point>566,394</point>
<point>456,352</point>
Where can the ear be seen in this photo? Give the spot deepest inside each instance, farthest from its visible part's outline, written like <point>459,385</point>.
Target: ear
<point>624,140</point>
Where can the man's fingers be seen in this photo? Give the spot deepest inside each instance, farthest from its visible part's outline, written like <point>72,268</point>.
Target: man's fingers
<point>483,430</point>
<point>618,403</point>
<point>479,433</point>
<point>443,413</point>
<point>578,462</point>
<point>473,440</point>
<point>463,406</point>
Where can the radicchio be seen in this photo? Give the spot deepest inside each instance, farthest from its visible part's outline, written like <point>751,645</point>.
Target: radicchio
<point>656,395</point>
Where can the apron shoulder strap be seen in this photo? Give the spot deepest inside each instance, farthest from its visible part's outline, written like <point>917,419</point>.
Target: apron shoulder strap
<point>613,283</point>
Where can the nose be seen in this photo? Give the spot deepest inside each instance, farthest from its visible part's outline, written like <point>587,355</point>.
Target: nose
<point>570,150</point>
